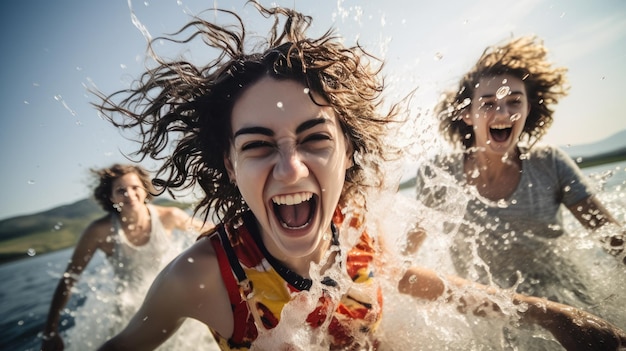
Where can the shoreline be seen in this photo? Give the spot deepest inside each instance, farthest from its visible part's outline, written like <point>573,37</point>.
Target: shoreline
<point>44,245</point>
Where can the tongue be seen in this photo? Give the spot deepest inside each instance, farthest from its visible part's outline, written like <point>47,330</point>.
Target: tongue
<point>295,215</point>
<point>500,134</point>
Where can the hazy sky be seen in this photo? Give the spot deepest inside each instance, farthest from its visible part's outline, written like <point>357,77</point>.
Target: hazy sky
<point>54,50</point>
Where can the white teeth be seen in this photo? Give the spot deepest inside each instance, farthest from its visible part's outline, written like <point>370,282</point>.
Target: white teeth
<point>292,199</point>
<point>500,126</point>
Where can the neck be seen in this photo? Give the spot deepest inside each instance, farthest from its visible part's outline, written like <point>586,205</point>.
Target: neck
<point>302,265</point>
<point>135,218</point>
<point>492,166</point>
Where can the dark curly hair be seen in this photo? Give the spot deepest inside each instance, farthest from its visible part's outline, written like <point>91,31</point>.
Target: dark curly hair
<point>106,176</point>
<point>190,106</point>
<point>524,58</point>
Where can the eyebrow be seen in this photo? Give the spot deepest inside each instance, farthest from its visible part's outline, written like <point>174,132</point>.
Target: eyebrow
<point>308,124</point>
<point>494,95</point>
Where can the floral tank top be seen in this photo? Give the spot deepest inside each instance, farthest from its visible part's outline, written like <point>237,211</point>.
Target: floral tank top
<point>245,264</point>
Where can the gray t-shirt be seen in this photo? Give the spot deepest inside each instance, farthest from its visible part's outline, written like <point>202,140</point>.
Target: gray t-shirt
<point>512,234</point>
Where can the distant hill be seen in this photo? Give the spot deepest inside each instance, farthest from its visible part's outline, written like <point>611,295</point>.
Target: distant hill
<point>607,150</point>
<point>52,230</point>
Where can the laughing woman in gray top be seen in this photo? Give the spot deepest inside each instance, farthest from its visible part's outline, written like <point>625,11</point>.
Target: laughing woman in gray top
<point>514,187</point>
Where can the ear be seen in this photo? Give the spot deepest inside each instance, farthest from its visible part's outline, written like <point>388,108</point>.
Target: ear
<point>230,169</point>
<point>465,115</point>
<point>349,152</point>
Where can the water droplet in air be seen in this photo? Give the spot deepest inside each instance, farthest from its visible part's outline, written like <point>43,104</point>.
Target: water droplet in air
<point>190,260</point>
<point>503,91</point>
<point>31,182</point>
<point>31,252</point>
<point>279,105</point>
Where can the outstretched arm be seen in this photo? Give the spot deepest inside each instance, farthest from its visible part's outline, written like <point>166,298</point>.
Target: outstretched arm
<point>592,214</point>
<point>90,241</point>
<point>573,328</point>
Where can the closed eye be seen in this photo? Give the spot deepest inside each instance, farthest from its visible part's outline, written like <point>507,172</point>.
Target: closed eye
<point>316,137</point>
<point>257,144</point>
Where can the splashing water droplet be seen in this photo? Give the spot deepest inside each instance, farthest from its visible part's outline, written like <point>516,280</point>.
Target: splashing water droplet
<point>31,252</point>
<point>502,204</point>
<point>31,182</point>
<point>306,90</point>
<point>190,260</point>
<point>279,105</point>
<point>503,91</point>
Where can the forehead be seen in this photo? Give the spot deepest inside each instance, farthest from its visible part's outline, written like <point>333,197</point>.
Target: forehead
<point>277,103</point>
<point>488,86</point>
<point>126,180</point>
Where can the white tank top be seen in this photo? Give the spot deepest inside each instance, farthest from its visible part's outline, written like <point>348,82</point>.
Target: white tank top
<point>132,264</point>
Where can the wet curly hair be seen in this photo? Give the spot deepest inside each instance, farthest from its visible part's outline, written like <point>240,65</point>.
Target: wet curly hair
<point>525,58</point>
<point>106,176</point>
<point>185,107</point>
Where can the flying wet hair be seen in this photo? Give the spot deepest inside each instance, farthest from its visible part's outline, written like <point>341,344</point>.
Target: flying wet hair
<point>185,107</point>
<point>525,58</point>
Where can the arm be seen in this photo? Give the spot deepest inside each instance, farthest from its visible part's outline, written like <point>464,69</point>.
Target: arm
<point>189,287</point>
<point>573,328</point>
<point>89,242</point>
<point>592,214</point>
<point>175,218</point>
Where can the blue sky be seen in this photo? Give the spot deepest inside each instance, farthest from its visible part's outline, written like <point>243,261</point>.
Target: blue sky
<point>53,50</point>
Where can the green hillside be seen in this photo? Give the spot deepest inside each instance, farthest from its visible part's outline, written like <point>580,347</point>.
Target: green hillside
<point>51,230</point>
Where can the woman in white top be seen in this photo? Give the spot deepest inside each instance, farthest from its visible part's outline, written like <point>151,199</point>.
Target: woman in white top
<point>133,235</point>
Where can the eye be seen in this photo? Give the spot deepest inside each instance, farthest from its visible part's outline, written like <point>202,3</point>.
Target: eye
<point>316,137</point>
<point>258,148</point>
<point>315,141</point>
<point>487,105</point>
<point>257,144</point>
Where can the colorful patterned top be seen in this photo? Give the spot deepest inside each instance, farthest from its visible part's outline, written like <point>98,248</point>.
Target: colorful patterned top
<point>246,265</point>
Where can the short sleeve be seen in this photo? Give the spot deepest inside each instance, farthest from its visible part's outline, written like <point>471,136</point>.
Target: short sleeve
<point>574,186</point>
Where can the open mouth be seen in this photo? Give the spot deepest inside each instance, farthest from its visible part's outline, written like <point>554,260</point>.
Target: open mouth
<point>294,211</point>
<point>500,133</point>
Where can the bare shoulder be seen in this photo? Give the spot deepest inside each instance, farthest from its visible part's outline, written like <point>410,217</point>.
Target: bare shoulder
<point>95,236</point>
<point>197,264</point>
<point>99,229</point>
<point>194,277</point>
<point>172,217</point>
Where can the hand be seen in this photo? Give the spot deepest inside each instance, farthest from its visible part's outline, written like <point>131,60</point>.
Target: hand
<point>52,342</point>
<point>615,245</point>
<point>579,330</point>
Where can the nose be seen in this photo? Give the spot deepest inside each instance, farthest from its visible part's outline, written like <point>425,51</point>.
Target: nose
<point>502,109</point>
<point>289,167</point>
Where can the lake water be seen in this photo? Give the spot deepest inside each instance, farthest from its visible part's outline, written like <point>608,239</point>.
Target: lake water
<point>27,285</point>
